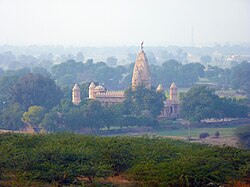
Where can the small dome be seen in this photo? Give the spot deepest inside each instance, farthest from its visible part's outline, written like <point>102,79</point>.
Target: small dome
<point>173,85</point>
<point>100,88</point>
<point>92,85</point>
<point>159,88</point>
<point>76,87</point>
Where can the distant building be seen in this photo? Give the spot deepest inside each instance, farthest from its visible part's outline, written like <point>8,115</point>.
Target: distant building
<point>141,73</point>
<point>172,105</point>
<point>106,98</point>
<point>141,76</point>
<point>76,95</point>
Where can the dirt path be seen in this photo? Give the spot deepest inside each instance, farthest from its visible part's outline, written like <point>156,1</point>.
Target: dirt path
<point>222,141</point>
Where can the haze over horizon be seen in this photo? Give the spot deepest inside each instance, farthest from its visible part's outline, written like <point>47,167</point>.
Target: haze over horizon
<point>119,23</point>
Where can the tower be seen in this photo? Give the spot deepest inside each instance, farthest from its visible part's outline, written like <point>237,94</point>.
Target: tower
<point>173,92</point>
<point>76,96</point>
<point>92,90</point>
<point>160,89</point>
<point>141,73</point>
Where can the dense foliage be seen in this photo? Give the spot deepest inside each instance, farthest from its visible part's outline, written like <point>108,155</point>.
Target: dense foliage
<point>243,133</point>
<point>240,77</point>
<point>61,158</point>
<point>119,77</point>
<point>201,102</point>
<point>35,89</point>
<point>143,99</point>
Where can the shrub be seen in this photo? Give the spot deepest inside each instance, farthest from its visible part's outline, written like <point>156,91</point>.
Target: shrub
<point>243,133</point>
<point>204,135</point>
<point>217,134</point>
<point>60,159</point>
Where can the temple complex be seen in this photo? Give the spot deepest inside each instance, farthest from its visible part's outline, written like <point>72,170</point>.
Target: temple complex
<point>141,77</point>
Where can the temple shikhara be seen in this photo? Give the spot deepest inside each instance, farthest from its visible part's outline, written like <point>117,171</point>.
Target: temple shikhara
<point>141,76</point>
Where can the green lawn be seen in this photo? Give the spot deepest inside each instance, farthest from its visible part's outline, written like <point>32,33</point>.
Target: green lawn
<point>195,132</point>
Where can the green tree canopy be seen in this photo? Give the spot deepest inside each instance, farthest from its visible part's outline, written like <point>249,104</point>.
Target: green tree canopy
<point>199,103</point>
<point>10,117</point>
<point>34,116</point>
<point>240,77</point>
<point>143,99</point>
<point>33,89</point>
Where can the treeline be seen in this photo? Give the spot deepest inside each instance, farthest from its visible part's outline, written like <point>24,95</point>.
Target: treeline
<point>201,103</point>
<point>184,75</point>
<point>32,100</point>
<point>64,159</point>
<point>25,88</point>
<point>35,100</point>
<point>70,72</point>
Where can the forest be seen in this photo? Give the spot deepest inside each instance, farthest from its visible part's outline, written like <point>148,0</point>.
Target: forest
<point>64,159</point>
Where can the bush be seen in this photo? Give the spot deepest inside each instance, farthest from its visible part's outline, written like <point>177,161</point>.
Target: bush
<point>59,159</point>
<point>217,134</point>
<point>243,133</point>
<point>204,135</point>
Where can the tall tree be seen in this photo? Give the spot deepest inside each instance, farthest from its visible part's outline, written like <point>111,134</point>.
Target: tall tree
<point>35,90</point>
<point>143,99</point>
<point>34,116</point>
<point>10,117</point>
<point>240,77</point>
<point>199,103</point>
<point>94,115</point>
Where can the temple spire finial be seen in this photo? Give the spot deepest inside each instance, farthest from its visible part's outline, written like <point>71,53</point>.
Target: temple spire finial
<point>142,46</point>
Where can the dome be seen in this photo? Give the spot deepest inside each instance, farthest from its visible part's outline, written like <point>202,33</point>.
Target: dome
<point>159,88</point>
<point>76,87</point>
<point>100,88</point>
<point>173,85</point>
<point>92,85</point>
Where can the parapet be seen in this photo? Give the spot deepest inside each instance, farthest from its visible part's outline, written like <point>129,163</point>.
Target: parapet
<point>110,94</point>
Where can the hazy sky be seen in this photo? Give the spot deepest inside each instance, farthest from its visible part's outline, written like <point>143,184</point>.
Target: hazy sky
<point>124,22</point>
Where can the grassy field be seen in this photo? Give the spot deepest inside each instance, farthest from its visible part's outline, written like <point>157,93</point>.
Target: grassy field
<point>195,132</point>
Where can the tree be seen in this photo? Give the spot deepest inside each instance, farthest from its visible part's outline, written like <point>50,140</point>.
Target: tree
<point>68,67</point>
<point>79,57</point>
<point>213,73</point>
<point>41,71</point>
<point>143,99</point>
<point>112,61</point>
<point>10,117</point>
<point>229,108</point>
<point>53,121</point>
<point>190,73</point>
<point>93,113</point>
<point>243,133</point>
<point>240,77</point>
<point>35,90</point>
<point>6,83</point>
<point>113,115</point>
<point>206,59</point>
<point>199,103</point>
<point>34,116</point>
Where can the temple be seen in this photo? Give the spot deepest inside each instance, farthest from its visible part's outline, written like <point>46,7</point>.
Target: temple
<point>141,73</point>
<point>141,77</point>
<point>76,96</point>
<point>106,98</point>
<point>172,105</point>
